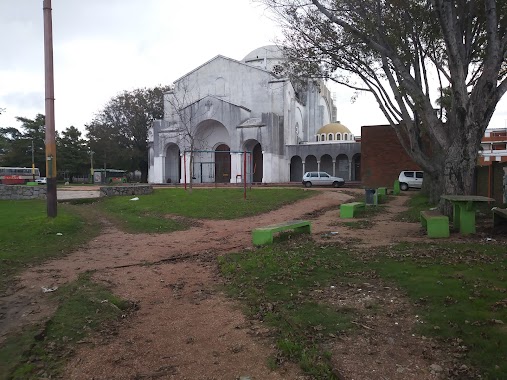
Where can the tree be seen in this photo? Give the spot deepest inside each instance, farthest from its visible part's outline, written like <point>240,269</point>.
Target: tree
<point>7,137</point>
<point>72,153</point>
<point>119,133</point>
<point>402,52</point>
<point>18,145</point>
<point>187,110</point>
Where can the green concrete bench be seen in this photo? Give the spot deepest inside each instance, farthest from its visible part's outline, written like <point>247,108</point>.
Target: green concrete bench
<point>347,209</point>
<point>264,235</point>
<point>396,188</point>
<point>381,194</point>
<point>436,224</point>
<point>499,216</point>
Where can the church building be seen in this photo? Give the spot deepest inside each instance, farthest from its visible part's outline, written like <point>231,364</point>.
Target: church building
<point>231,121</point>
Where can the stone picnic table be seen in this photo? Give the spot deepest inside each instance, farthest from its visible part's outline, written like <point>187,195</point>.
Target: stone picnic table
<point>463,211</point>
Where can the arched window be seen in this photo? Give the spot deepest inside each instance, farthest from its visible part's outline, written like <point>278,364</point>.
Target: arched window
<point>318,137</point>
<point>323,137</point>
<point>345,136</point>
<point>338,136</point>
<point>330,137</point>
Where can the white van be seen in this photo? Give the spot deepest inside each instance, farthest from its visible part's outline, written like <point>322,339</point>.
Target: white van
<point>411,179</point>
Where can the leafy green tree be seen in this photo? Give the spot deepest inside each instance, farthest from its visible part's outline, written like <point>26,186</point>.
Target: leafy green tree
<point>7,137</point>
<point>72,150</point>
<point>402,52</point>
<point>119,133</point>
<point>18,145</point>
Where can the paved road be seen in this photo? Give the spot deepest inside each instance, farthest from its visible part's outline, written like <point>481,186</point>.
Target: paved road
<point>64,194</point>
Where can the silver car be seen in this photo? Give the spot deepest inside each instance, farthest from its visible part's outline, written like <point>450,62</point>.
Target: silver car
<point>410,179</point>
<point>321,179</point>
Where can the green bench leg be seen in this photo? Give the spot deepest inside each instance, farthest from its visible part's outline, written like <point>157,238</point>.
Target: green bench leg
<point>260,237</point>
<point>346,211</point>
<point>304,229</point>
<point>438,228</point>
<point>466,221</point>
<point>396,188</point>
<point>463,218</point>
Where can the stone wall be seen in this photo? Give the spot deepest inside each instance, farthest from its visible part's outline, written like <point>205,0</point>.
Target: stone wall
<point>110,191</point>
<point>22,192</point>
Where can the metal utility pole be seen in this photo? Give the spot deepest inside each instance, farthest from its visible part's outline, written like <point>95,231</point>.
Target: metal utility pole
<point>33,164</point>
<point>50,111</point>
<point>91,165</point>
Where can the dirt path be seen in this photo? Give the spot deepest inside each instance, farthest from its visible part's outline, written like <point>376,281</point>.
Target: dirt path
<point>185,329</point>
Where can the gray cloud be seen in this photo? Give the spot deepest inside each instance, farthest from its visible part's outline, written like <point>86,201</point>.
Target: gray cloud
<point>30,100</point>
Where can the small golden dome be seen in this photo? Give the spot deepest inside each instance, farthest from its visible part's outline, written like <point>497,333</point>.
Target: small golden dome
<point>335,128</point>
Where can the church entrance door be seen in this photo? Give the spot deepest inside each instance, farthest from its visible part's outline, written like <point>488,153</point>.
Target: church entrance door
<point>257,163</point>
<point>222,164</point>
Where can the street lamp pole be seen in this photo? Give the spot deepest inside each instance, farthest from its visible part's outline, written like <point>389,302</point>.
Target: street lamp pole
<point>91,165</point>
<point>33,164</point>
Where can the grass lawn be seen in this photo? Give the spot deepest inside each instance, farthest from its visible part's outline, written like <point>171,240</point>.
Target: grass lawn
<point>459,290</point>
<point>28,236</point>
<point>41,351</point>
<point>152,213</point>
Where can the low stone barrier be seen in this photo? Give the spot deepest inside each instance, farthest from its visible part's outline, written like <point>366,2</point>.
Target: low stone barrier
<point>22,192</point>
<point>112,191</point>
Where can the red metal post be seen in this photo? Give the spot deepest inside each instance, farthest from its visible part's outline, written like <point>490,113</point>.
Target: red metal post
<point>244,174</point>
<point>50,111</point>
<point>185,168</point>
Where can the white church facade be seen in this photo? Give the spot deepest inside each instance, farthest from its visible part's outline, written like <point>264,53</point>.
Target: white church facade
<point>231,121</point>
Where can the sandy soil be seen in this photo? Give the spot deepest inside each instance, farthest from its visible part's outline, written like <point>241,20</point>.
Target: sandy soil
<point>187,329</point>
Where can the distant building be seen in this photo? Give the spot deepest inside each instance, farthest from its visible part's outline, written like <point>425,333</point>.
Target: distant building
<point>492,165</point>
<point>250,106</point>
<point>493,146</point>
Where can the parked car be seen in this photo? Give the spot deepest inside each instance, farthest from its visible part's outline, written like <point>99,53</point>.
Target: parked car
<point>410,179</point>
<point>41,180</point>
<point>321,179</point>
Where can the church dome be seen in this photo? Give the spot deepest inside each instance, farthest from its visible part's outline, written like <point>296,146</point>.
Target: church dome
<point>334,132</point>
<point>268,52</point>
<point>334,128</point>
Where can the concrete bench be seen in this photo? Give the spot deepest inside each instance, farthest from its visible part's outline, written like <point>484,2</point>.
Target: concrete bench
<point>264,235</point>
<point>499,216</point>
<point>396,188</point>
<point>381,194</point>
<point>436,224</point>
<point>347,209</point>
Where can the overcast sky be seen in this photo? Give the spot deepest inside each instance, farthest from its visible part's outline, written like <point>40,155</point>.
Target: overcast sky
<point>102,47</point>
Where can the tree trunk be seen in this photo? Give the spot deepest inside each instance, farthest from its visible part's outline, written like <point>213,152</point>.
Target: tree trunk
<point>455,166</point>
<point>455,174</point>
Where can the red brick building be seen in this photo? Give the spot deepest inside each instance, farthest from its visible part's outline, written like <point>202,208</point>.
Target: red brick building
<point>382,156</point>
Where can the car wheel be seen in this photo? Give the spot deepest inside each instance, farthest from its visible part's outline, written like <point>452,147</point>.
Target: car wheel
<point>403,186</point>
<point>337,184</point>
<point>308,184</point>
